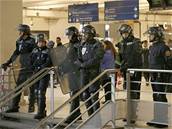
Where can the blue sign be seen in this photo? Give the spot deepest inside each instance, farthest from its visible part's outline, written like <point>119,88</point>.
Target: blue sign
<point>83,13</point>
<point>122,10</point>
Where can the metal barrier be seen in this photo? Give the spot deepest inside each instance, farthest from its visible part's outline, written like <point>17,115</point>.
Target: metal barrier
<point>6,83</point>
<point>28,83</point>
<point>143,109</point>
<point>113,112</point>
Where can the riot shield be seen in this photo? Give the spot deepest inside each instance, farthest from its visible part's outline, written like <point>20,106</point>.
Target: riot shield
<point>63,58</point>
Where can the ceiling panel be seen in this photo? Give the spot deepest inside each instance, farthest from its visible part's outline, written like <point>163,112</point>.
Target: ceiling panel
<point>47,4</point>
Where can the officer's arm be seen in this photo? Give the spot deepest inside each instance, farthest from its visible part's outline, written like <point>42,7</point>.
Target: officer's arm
<point>47,62</point>
<point>99,52</point>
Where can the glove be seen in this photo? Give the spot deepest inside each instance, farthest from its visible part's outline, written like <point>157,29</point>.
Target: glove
<point>123,67</point>
<point>79,63</point>
<point>5,66</point>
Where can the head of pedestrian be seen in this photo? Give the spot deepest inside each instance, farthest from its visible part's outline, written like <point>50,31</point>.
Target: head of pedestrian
<point>88,33</point>
<point>58,41</point>
<point>126,31</point>
<point>155,33</point>
<point>145,44</point>
<point>72,33</point>
<point>41,42</point>
<point>50,44</point>
<point>24,30</point>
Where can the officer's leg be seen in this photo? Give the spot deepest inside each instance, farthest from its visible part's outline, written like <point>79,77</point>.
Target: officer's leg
<point>43,84</point>
<point>135,94</point>
<point>136,86</point>
<point>32,98</point>
<point>160,110</point>
<point>107,88</point>
<point>95,101</point>
<point>73,106</point>
<point>85,96</point>
<point>15,103</point>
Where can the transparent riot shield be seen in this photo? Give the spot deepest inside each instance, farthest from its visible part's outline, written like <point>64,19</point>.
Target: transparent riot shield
<point>63,58</point>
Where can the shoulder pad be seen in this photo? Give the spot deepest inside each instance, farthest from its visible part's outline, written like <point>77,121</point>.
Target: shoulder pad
<point>137,40</point>
<point>45,51</point>
<point>35,50</point>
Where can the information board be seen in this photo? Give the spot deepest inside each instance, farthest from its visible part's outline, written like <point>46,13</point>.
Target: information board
<point>121,10</point>
<point>83,13</point>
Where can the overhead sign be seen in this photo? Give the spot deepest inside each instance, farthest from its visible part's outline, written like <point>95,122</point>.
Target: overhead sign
<point>83,13</point>
<point>121,10</point>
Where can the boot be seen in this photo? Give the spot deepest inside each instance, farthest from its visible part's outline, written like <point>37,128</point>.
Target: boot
<point>31,109</point>
<point>40,115</point>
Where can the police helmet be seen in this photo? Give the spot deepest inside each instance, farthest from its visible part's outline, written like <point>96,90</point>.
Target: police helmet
<point>50,44</point>
<point>89,29</point>
<point>72,31</point>
<point>124,28</point>
<point>40,37</point>
<point>156,31</point>
<point>24,28</point>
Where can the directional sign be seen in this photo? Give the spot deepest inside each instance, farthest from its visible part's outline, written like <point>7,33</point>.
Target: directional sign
<point>121,10</point>
<point>83,13</point>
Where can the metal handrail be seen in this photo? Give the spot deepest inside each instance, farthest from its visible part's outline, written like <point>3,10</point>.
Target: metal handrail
<point>43,121</point>
<point>129,90</point>
<point>93,115</point>
<point>87,110</point>
<point>28,83</point>
<point>150,70</point>
<point>24,83</point>
<point>84,104</point>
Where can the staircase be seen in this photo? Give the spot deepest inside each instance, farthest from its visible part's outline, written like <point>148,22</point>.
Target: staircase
<point>17,121</point>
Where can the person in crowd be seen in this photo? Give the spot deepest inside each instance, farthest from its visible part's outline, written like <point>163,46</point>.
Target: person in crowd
<point>130,51</point>
<point>158,53</point>
<point>40,59</point>
<point>89,60</point>
<point>58,41</point>
<point>73,46</point>
<point>145,61</point>
<point>24,46</point>
<point>50,44</point>
<point>108,62</point>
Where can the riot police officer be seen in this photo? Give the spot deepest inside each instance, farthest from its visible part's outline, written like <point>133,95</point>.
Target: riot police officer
<point>24,46</point>
<point>130,50</point>
<point>158,54</point>
<point>33,92</point>
<point>73,33</point>
<point>40,59</point>
<point>91,54</point>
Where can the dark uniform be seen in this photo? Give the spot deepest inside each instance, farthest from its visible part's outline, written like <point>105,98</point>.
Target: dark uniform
<point>157,60</point>
<point>72,56</point>
<point>145,60</point>
<point>130,55</point>
<point>40,59</point>
<point>32,95</point>
<point>91,54</point>
<point>24,46</point>
<point>130,50</point>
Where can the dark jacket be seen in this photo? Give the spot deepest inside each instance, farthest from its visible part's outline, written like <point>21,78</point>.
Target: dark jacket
<point>145,56</point>
<point>91,55</point>
<point>40,58</point>
<point>130,53</point>
<point>157,58</point>
<point>24,47</point>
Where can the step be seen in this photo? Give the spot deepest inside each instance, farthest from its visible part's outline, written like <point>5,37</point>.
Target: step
<point>4,124</point>
<point>20,116</point>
